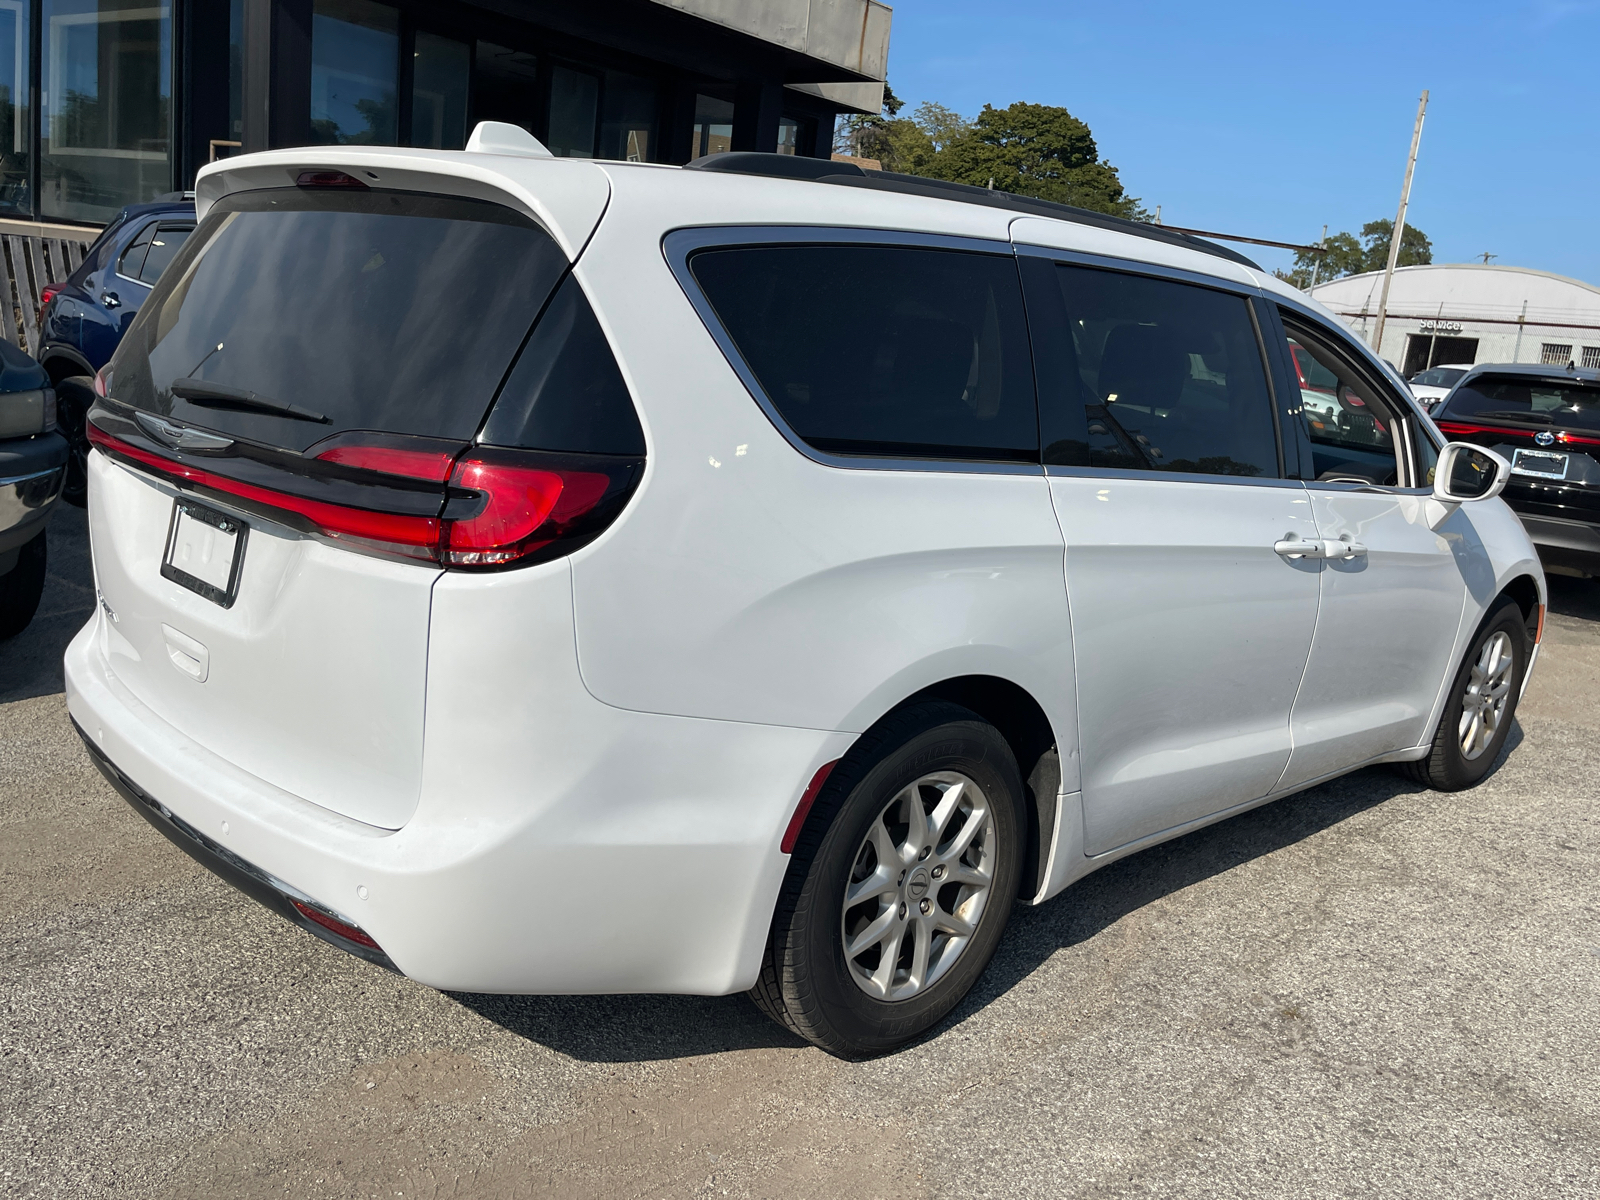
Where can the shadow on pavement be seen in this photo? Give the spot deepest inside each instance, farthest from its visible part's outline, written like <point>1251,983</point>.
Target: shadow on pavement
<point>30,663</point>
<point>648,1028</point>
<point>603,1029</point>
<point>1571,597</point>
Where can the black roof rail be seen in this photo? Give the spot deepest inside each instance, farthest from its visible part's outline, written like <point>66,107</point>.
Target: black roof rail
<point>821,170</point>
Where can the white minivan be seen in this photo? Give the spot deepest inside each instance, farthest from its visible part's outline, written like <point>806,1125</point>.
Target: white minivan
<point>538,575</point>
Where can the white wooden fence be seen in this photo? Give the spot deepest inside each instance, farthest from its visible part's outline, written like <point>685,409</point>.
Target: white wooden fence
<point>27,263</point>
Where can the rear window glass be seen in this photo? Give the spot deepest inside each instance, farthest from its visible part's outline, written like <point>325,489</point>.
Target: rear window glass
<point>883,351</point>
<point>1150,374</point>
<point>1536,401</point>
<point>359,309</point>
<point>1438,377</point>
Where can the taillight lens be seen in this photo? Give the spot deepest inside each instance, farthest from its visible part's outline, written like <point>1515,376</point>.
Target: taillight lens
<point>495,507</point>
<point>46,294</point>
<point>395,533</point>
<point>525,507</point>
<point>100,382</point>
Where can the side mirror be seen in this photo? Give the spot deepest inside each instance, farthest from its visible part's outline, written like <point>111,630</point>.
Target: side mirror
<point>1467,472</point>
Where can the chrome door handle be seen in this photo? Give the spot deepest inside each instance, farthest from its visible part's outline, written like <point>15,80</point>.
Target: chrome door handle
<point>1297,547</point>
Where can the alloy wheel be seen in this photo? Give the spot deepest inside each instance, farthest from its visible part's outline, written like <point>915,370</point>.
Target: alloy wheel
<point>1483,706</point>
<point>921,879</point>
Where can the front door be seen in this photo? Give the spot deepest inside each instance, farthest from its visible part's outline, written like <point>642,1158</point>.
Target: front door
<point>1392,604</point>
<point>1192,615</point>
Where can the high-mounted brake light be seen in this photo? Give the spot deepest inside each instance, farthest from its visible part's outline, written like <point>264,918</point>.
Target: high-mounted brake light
<point>327,179</point>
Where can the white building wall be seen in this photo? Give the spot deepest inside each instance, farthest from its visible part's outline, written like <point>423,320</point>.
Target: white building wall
<point>1512,312</point>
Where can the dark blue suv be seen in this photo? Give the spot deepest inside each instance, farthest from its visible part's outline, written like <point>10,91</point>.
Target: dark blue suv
<point>85,317</point>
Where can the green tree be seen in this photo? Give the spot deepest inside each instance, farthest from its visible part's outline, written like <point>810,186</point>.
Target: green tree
<point>1037,150</point>
<point>1350,255</point>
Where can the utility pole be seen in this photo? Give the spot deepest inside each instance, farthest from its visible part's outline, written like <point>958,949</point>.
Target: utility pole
<point>1316,263</point>
<point>1399,227</point>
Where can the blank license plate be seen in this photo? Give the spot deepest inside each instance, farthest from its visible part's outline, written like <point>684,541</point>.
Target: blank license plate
<point>205,549</point>
<point>1540,463</point>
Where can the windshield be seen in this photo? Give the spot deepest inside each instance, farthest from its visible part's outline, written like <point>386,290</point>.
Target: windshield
<point>294,314</point>
<point>1537,401</point>
<point>1438,377</point>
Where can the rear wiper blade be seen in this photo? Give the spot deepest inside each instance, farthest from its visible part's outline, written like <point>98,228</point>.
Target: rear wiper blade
<point>1537,418</point>
<point>219,395</point>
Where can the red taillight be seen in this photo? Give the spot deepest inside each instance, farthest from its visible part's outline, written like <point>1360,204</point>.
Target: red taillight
<point>100,382</point>
<point>348,932</point>
<point>500,506</point>
<point>414,537</point>
<point>46,294</point>
<point>524,507</point>
<point>431,465</point>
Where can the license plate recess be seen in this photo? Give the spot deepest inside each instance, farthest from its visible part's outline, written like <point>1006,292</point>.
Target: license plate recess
<point>205,551</point>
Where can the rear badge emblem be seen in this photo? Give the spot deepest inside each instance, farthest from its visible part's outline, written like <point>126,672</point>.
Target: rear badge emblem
<point>179,437</point>
<point>1544,439</point>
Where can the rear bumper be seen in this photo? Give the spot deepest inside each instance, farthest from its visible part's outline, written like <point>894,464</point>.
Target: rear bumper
<point>222,862</point>
<point>32,470</point>
<point>593,850</point>
<point>1574,544</point>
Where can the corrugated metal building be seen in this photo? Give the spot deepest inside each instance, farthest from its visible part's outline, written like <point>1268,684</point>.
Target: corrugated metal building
<point>1468,313</point>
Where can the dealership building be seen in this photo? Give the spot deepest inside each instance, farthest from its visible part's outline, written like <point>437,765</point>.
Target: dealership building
<point>108,102</point>
<point>1465,313</point>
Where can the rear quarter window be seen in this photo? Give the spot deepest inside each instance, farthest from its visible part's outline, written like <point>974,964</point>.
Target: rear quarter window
<point>882,351</point>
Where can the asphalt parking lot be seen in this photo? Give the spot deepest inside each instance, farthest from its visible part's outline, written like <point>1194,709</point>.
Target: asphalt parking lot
<point>1362,990</point>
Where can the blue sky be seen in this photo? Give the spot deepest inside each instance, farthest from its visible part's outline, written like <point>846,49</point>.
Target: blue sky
<point>1273,119</point>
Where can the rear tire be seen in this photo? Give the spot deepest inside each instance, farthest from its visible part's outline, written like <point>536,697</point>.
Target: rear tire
<point>21,587</point>
<point>1483,700</point>
<point>929,889</point>
<point>74,397</point>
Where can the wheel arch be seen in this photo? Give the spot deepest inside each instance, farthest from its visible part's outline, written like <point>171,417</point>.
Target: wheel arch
<point>1525,591</point>
<point>1027,729</point>
<point>61,362</point>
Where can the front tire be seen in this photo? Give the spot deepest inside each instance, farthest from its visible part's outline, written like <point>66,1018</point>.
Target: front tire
<point>900,885</point>
<point>1483,701</point>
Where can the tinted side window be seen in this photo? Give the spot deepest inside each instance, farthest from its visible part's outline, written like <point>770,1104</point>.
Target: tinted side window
<point>1350,422</point>
<point>164,243</point>
<point>565,391</point>
<point>883,351</point>
<point>133,257</point>
<point>1150,374</point>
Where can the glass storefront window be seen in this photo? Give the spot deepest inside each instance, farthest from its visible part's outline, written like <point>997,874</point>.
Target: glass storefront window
<point>235,70</point>
<point>713,126</point>
<point>441,74</point>
<point>355,69</point>
<point>574,104</point>
<point>788,136</point>
<point>106,99</point>
<point>628,121</point>
<point>14,106</point>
